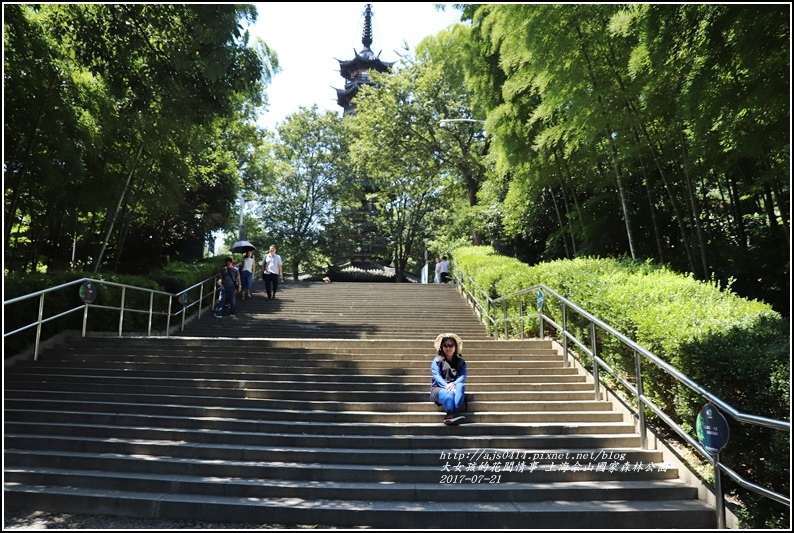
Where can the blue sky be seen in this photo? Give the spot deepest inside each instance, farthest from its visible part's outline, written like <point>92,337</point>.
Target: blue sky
<point>309,38</point>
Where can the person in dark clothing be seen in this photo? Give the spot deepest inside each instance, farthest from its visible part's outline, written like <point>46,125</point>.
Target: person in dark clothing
<point>229,280</point>
<point>448,383</point>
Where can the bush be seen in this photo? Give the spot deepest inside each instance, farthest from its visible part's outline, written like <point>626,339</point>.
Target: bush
<point>735,348</point>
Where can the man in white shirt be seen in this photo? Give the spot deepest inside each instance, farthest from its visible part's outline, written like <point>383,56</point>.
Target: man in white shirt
<point>443,269</point>
<point>272,272</point>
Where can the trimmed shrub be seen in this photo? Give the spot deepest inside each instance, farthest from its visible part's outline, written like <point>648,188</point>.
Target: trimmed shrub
<point>735,348</point>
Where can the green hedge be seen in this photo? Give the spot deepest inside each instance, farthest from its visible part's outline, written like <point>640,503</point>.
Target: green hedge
<point>735,348</point>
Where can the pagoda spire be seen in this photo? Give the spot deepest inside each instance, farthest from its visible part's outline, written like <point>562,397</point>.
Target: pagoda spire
<point>356,71</point>
<point>366,37</point>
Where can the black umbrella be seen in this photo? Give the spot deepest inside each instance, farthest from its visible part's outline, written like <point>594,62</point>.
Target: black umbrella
<point>242,247</point>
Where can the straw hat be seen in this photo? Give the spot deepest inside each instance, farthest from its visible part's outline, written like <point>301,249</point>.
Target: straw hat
<point>458,341</point>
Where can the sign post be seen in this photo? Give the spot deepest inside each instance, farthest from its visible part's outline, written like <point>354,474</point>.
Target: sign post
<point>713,434</point>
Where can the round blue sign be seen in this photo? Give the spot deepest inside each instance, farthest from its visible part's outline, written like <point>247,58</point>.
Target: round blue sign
<point>88,292</point>
<point>712,429</point>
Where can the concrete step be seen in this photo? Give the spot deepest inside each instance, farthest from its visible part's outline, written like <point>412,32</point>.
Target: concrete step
<point>88,391</point>
<point>257,466</point>
<point>61,381</point>
<point>388,402</point>
<point>531,452</point>
<point>205,363</point>
<point>406,431</point>
<point>372,415</point>
<point>263,370</point>
<point>540,378</point>
<point>457,487</point>
<point>395,514</point>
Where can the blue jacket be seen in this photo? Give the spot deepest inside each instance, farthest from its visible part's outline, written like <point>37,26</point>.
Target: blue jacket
<point>444,372</point>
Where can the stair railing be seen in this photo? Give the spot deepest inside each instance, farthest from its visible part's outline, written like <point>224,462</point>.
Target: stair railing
<point>154,304</point>
<point>510,312</point>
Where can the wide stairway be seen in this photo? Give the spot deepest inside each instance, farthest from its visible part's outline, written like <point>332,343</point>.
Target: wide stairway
<point>313,409</point>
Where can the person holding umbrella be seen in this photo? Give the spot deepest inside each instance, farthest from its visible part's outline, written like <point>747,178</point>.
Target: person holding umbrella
<point>246,265</point>
<point>247,273</point>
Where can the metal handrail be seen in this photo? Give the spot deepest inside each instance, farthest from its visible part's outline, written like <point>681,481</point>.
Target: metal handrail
<point>483,308</point>
<point>122,308</point>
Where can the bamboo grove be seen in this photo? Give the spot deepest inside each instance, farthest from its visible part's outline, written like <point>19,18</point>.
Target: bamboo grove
<point>125,127</point>
<point>655,131</point>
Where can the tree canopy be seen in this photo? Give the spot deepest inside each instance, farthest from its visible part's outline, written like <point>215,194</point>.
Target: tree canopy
<point>123,128</point>
<point>651,131</point>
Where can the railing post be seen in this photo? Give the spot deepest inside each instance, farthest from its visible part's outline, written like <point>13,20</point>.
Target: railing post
<point>521,315</point>
<point>121,313</point>
<point>640,393</point>
<point>720,503</point>
<point>201,299</point>
<point>151,311</point>
<point>85,318</point>
<point>595,364</point>
<point>168,320</point>
<point>564,334</point>
<point>504,316</point>
<point>184,311</point>
<point>488,315</point>
<point>38,328</point>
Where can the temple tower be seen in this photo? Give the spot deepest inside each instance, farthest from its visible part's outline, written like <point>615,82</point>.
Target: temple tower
<point>356,71</point>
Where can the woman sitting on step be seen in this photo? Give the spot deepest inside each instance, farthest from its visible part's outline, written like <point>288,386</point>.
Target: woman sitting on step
<point>448,371</point>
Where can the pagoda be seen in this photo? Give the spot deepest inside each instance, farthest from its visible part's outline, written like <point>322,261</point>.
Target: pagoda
<point>356,71</point>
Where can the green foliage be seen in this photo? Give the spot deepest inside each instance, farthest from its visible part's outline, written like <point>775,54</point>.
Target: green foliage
<point>308,170</point>
<point>177,276</point>
<point>610,121</point>
<point>735,348</point>
<point>133,122</point>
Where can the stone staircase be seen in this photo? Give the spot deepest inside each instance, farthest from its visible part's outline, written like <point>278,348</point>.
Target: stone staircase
<point>313,409</point>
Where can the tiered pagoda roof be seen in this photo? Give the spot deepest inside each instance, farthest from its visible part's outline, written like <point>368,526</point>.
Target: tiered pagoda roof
<point>356,70</point>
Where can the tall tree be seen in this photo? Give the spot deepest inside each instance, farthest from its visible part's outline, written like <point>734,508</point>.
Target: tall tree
<point>413,161</point>
<point>161,77</point>
<point>448,52</point>
<point>300,197</point>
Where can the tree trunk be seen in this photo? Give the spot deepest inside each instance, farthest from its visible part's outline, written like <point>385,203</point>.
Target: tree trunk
<point>98,260</point>
<point>562,228</point>
<point>565,202</point>
<point>644,135</point>
<point>622,193</point>
<point>570,181</point>
<point>649,194</point>
<point>695,209</point>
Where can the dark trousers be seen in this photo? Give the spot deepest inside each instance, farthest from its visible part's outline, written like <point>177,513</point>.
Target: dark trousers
<point>229,298</point>
<point>271,284</point>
